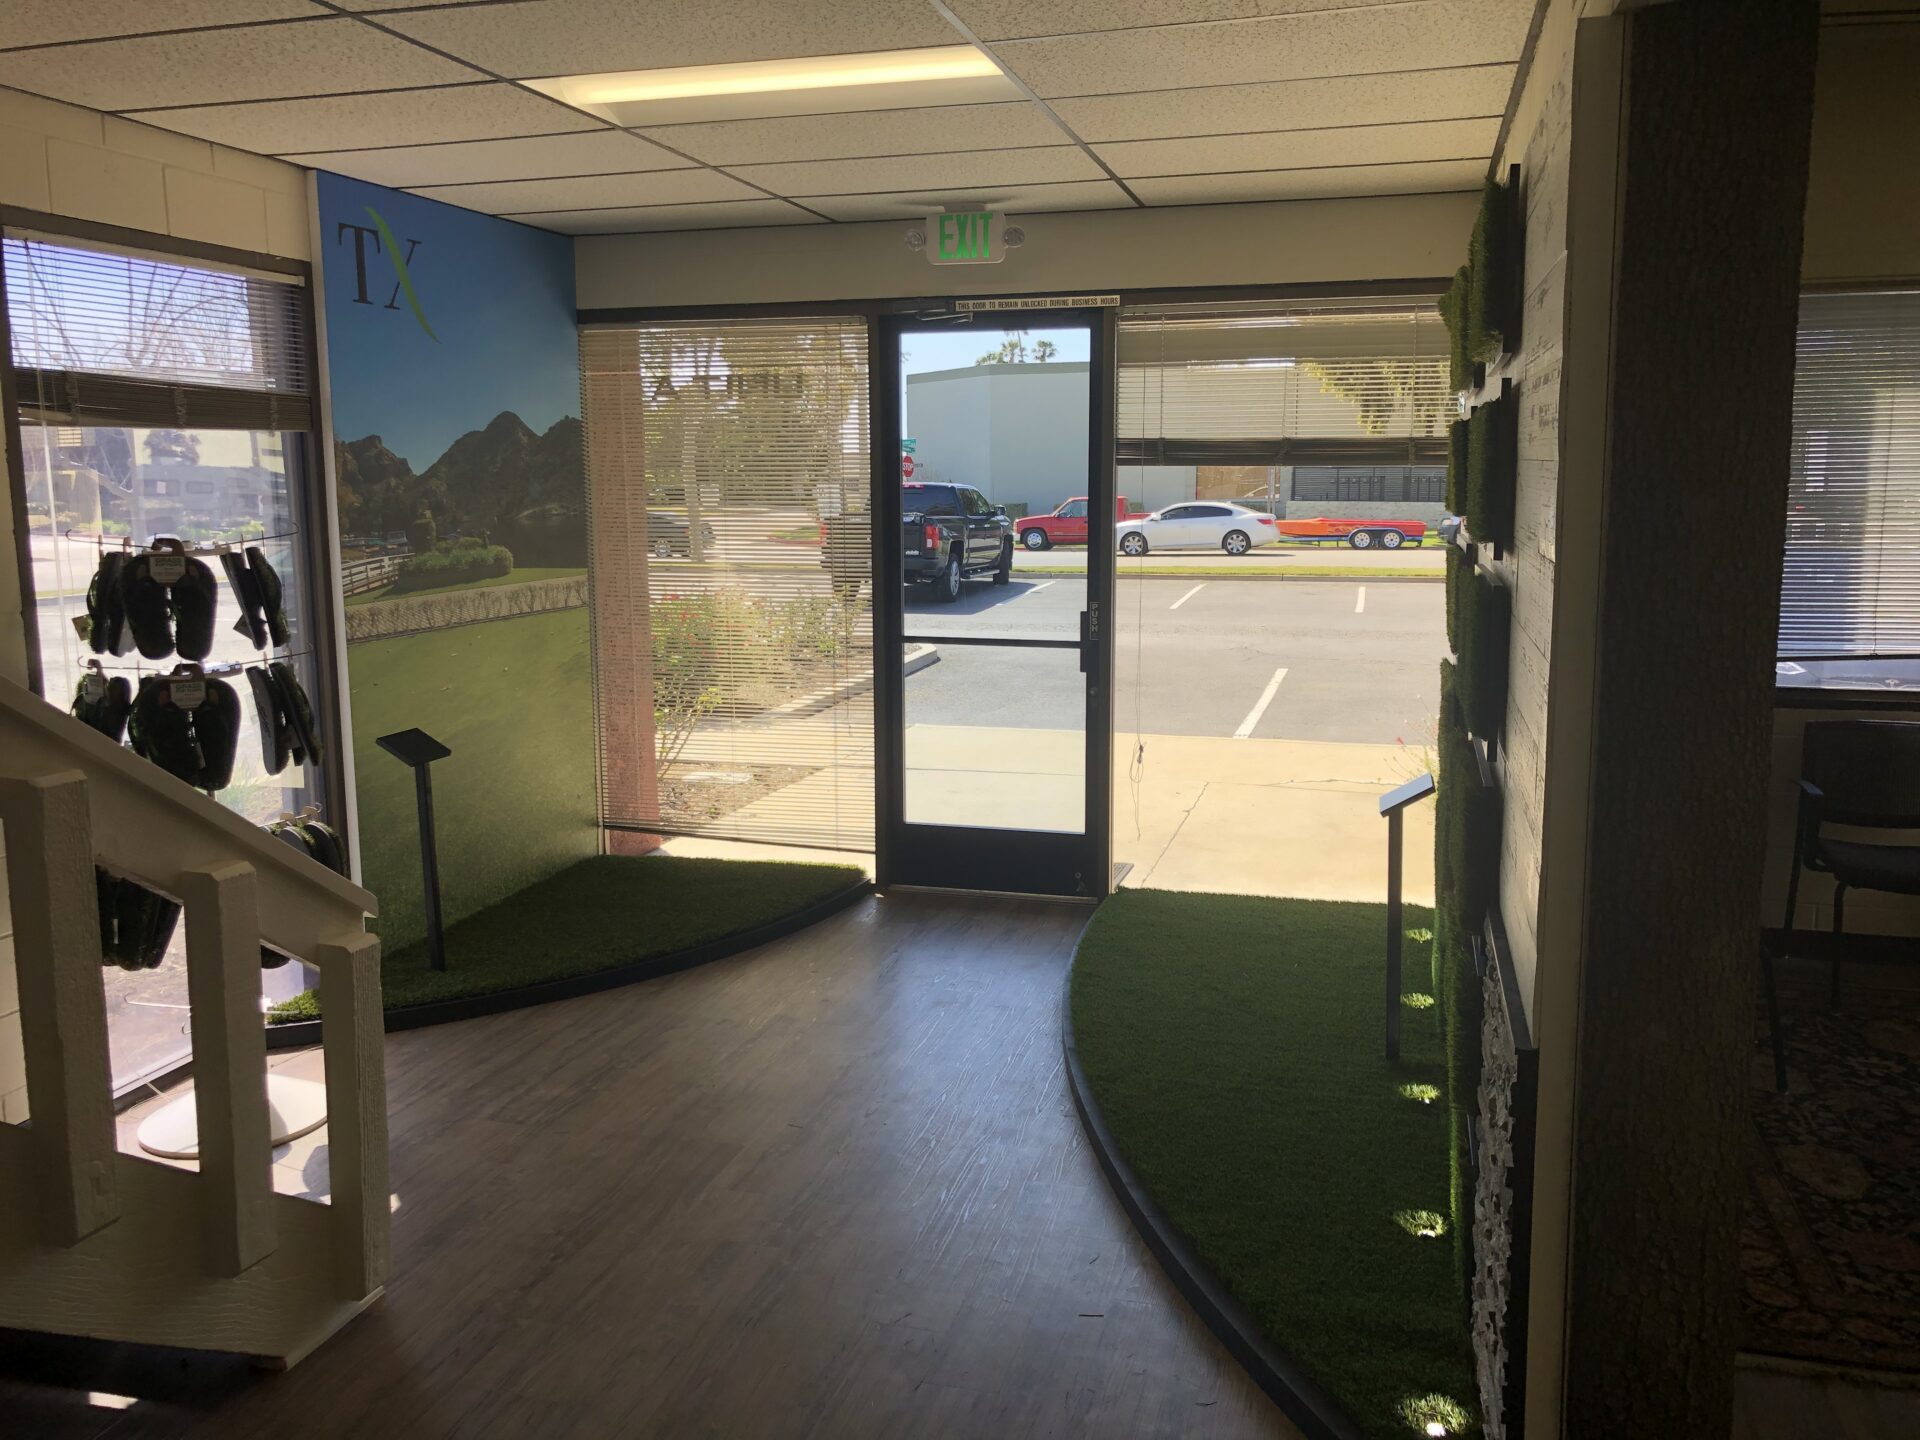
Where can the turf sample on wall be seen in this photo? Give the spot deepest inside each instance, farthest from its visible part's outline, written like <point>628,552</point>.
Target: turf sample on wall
<point>453,362</point>
<point>1466,860</point>
<point>1453,311</point>
<point>1485,616</point>
<point>1457,432</point>
<point>1492,457</point>
<point>1491,257</point>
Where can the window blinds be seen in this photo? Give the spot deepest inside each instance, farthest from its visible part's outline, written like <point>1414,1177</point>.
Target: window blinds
<point>113,337</point>
<point>1852,578</point>
<point>734,679</point>
<point>1327,382</point>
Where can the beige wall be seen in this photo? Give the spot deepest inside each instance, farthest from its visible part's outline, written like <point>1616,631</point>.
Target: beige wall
<point>67,161</point>
<point>1863,225</point>
<point>1863,195</point>
<point>1297,242</point>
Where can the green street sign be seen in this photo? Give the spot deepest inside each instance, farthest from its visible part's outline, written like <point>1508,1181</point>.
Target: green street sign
<point>966,238</point>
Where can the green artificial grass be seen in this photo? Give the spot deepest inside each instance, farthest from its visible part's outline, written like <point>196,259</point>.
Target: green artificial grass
<point>1466,865</point>
<point>1453,311</point>
<point>1490,262</point>
<point>1492,462</point>
<point>1457,467</point>
<point>515,801</point>
<point>1234,1046</point>
<point>598,914</point>
<point>519,576</point>
<point>1480,634</point>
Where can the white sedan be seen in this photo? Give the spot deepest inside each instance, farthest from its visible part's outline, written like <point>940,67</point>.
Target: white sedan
<point>1198,525</point>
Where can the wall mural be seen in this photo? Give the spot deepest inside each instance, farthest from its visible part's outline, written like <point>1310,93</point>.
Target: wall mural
<point>453,363</point>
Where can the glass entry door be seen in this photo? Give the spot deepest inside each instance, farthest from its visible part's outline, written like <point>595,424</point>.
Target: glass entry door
<point>994,536</point>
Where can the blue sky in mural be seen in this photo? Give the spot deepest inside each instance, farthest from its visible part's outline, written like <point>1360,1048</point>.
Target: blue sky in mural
<point>498,297</point>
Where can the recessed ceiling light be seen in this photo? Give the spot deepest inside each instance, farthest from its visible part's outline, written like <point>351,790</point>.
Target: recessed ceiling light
<point>880,79</point>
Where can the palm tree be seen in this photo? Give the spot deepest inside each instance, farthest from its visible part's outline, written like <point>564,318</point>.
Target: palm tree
<point>1045,350</point>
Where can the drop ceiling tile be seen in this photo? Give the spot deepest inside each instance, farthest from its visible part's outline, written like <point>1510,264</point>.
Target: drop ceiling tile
<point>1304,149</point>
<point>1013,19</point>
<point>584,37</point>
<point>347,122</point>
<point>1479,90</point>
<point>858,133</point>
<point>906,172</point>
<point>48,22</point>
<point>1285,47</point>
<point>659,187</point>
<point>1313,184</point>
<point>594,152</point>
<point>1016,199</point>
<point>640,219</point>
<point>251,62</point>
<point>374,5</point>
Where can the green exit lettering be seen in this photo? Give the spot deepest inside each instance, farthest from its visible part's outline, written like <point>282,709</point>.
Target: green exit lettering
<point>963,239</point>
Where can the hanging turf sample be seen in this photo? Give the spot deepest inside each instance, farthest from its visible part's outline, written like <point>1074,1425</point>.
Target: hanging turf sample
<point>1492,460</point>
<point>1491,256</point>
<point>1483,618</point>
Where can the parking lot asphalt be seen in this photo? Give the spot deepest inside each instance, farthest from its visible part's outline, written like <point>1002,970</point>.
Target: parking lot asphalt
<point>1195,657</point>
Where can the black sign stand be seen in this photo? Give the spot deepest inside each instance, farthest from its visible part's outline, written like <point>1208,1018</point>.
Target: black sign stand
<point>417,750</point>
<point>1391,804</point>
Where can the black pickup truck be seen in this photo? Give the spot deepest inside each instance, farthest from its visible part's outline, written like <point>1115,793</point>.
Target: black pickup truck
<point>949,533</point>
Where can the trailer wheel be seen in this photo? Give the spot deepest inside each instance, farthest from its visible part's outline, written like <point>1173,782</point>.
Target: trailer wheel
<point>1392,539</point>
<point>1361,539</point>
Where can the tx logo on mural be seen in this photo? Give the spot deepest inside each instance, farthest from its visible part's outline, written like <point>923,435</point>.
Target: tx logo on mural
<point>383,243</point>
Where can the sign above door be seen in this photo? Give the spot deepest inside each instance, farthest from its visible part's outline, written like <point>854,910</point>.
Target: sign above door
<point>968,237</point>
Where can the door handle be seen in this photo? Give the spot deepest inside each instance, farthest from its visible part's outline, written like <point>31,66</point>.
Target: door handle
<point>1086,639</point>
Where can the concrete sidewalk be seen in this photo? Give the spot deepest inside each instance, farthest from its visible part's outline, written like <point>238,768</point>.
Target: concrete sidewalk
<point>1249,817</point>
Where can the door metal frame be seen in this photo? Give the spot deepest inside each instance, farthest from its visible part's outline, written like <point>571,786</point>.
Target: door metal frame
<point>968,857</point>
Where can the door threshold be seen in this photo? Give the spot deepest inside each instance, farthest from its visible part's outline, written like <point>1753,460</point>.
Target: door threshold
<point>961,892</point>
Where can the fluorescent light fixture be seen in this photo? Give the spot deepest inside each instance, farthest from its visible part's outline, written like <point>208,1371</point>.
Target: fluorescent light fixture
<point>879,79</point>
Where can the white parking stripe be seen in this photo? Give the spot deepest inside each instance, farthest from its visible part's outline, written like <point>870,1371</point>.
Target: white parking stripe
<point>1188,596</point>
<point>1360,602</point>
<point>1260,706</point>
<point>1036,589</point>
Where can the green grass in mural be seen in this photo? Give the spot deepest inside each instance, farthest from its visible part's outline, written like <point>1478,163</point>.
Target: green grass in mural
<point>1235,1048</point>
<point>515,800</point>
<point>515,577</point>
<point>598,914</point>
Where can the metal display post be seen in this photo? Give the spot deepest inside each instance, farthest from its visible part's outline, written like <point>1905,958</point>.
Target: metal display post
<point>417,750</point>
<point>1391,805</point>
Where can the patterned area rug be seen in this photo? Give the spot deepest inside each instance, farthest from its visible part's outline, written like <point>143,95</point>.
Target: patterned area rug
<point>1831,1245</point>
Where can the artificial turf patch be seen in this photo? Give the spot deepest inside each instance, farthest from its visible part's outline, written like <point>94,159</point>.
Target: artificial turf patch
<point>514,803</point>
<point>1235,1047</point>
<point>597,914</point>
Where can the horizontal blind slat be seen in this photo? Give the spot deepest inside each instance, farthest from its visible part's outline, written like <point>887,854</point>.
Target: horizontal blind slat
<point>757,673</point>
<point>1851,582</point>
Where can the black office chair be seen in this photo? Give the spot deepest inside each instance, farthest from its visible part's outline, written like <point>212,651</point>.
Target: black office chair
<point>1862,773</point>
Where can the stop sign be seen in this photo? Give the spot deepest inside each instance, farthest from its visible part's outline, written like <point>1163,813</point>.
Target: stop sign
<point>906,466</point>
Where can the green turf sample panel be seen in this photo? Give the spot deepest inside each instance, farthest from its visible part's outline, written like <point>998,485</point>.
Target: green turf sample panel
<point>1492,462</point>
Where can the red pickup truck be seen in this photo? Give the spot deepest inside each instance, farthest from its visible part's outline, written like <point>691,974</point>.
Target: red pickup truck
<point>1067,525</point>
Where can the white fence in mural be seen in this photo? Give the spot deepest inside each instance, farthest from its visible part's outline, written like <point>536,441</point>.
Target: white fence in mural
<point>411,614</point>
<point>359,576</point>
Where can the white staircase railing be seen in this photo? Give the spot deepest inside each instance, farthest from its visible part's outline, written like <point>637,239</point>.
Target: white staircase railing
<point>101,1243</point>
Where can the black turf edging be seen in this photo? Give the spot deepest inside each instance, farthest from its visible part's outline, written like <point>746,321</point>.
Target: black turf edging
<point>302,1033</point>
<point>1303,1402</point>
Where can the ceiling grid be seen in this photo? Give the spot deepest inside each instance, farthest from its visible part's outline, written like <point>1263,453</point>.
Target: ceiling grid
<point>1087,104</point>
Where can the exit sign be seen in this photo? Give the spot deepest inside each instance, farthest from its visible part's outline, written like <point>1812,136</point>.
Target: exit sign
<point>968,238</point>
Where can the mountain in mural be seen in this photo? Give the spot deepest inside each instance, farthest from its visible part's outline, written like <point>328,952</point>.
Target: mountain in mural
<point>520,488</point>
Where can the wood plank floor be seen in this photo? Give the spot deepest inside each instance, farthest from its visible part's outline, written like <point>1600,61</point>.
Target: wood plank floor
<point>834,1188</point>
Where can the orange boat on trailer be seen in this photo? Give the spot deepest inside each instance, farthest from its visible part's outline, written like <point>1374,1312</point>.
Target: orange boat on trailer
<point>1361,534</point>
